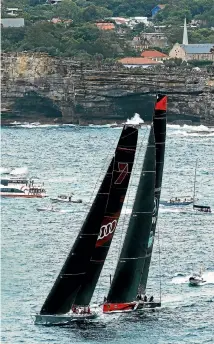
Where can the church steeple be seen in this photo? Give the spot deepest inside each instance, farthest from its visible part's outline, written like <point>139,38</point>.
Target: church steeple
<point>185,36</point>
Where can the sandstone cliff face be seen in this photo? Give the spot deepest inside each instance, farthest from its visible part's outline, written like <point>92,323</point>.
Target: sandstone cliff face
<point>72,92</point>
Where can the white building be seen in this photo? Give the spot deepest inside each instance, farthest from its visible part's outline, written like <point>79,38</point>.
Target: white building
<point>13,12</point>
<point>186,51</point>
<point>12,22</point>
<point>136,62</point>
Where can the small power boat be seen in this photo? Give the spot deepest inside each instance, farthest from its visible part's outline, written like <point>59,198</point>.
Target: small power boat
<point>49,208</point>
<point>196,279</point>
<point>65,199</point>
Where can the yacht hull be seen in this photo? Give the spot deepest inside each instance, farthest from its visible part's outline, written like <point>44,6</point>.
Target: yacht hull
<point>41,319</point>
<point>129,307</point>
<point>168,204</point>
<point>22,195</point>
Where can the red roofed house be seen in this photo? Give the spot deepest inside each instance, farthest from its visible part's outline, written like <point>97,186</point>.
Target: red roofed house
<point>105,26</point>
<point>133,62</point>
<point>155,55</point>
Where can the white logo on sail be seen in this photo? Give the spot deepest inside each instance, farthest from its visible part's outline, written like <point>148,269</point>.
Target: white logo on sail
<point>105,230</point>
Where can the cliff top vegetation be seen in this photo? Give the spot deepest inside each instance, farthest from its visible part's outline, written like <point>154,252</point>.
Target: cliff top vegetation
<point>76,34</point>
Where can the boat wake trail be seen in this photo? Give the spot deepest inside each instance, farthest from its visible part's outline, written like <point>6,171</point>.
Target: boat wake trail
<point>164,209</point>
<point>208,276</point>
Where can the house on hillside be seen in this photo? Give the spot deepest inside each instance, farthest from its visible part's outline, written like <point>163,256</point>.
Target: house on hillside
<point>12,22</point>
<point>118,20</point>
<point>156,9</point>
<point>57,20</point>
<point>186,51</point>
<point>54,2</point>
<point>149,40</point>
<point>193,51</point>
<point>154,55</point>
<point>13,12</point>
<point>133,21</point>
<point>133,62</point>
<point>154,39</point>
<point>105,26</point>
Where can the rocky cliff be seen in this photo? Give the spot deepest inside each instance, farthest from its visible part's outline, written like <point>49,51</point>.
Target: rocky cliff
<point>37,87</point>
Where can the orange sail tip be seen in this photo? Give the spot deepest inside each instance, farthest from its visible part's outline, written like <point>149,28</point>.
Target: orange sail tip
<point>161,103</point>
<point>118,307</point>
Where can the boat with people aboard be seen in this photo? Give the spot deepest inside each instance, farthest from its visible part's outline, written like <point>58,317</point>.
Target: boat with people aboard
<point>66,199</point>
<point>77,280</point>
<point>76,314</point>
<point>176,201</point>
<point>17,184</point>
<point>196,278</point>
<point>23,192</point>
<point>127,291</point>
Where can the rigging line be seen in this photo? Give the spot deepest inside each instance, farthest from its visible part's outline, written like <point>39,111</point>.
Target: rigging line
<point>130,191</point>
<point>122,235</point>
<point>109,156</point>
<point>99,284</point>
<point>159,263</point>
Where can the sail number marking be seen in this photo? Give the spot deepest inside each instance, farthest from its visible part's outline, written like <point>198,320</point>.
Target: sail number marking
<point>123,169</point>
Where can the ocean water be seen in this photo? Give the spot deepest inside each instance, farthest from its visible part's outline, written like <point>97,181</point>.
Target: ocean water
<point>35,244</point>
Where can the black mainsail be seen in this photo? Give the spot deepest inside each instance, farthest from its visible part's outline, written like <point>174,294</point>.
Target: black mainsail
<point>104,211</point>
<point>137,247</point>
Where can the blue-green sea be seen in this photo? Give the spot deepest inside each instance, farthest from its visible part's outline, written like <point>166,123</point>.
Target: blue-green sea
<point>35,244</point>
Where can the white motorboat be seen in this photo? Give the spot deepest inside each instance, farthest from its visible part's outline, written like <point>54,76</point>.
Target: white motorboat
<point>22,192</point>
<point>65,199</point>
<point>48,208</point>
<point>196,279</point>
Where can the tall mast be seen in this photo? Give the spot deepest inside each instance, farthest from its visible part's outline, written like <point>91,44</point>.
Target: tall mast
<point>196,164</point>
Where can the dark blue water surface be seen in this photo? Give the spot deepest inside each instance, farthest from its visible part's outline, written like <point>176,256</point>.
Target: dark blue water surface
<point>35,244</point>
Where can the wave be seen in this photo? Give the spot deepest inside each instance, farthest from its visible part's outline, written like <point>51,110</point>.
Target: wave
<point>191,134</point>
<point>197,128</point>
<point>101,125</point>
<point>166,209</point>
<point>185,127</point>
<point>30,125</point>
<point>5,170</point>
<point>136,119</point>
<point>173,126</point>
<point>19,171</point>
